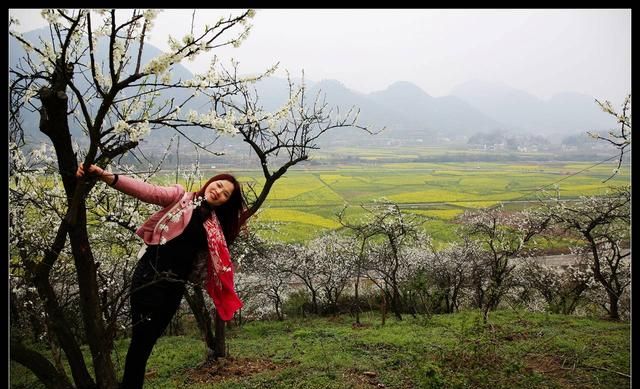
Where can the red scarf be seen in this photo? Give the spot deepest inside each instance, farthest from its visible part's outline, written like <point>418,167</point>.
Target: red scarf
<point>220,271</point>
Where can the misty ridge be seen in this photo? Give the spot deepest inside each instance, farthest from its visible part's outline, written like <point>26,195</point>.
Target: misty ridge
<point>477,114</point>
<point>475,110</point>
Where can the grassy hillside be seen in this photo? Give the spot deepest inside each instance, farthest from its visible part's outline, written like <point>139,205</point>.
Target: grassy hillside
<point>517,350</point>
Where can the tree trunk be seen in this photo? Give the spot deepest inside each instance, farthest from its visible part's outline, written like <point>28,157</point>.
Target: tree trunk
<point>485,315</point>
<point>13,308</point>
<point>99,344</point>
<point>357,286</point>
<point>397,304</point>
<point>597,274</point>
<point>203,319</point>
<point>40,366</point>
<point>279,310</point>
<point>356,299</point>
<point>220,344</point>
<point>384,307</point>
<point>58,324</point>
<point>314,302</point>
<point>54,123</point>
<point>55,353</point>
<point>614,312</point>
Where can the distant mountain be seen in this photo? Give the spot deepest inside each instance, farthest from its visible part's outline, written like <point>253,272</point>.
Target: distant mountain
<point>408,112</point>
<point>564,113</point>
<point>407,101</point>
<point>372,114</point>
<point>440,115</point>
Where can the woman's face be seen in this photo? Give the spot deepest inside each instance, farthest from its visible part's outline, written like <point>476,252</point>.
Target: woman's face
<point>218,192</point>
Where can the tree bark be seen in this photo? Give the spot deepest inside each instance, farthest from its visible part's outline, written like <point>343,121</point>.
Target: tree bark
<point>397,303</point>
<point>614,312</point>
<point>203,319</point>
<point>54,123</point>
<point>40,366</point>
<point>99,344</point>
<point>220,344</point>
<point>384,307</point>
<point>357,285</point>
<point>314,302</point>
<point>599,276</point>
<point>57,321</point>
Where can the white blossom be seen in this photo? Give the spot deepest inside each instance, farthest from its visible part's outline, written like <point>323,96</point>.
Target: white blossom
<point>121,127</point>
<point>197,201</point>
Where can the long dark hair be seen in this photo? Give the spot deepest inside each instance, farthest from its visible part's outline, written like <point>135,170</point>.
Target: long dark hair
<point>231,213</point>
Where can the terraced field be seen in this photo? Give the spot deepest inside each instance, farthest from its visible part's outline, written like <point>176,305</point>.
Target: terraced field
<point>305,201</point>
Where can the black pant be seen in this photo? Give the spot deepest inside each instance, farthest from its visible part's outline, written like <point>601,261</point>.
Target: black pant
<point>155,298</point>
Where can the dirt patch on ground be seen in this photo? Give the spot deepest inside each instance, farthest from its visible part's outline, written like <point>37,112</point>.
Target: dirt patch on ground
<point>554,368</point>
<point>363,379</point>
<point>228,368</point>
<point>542,363</point>
<point>360,326</point>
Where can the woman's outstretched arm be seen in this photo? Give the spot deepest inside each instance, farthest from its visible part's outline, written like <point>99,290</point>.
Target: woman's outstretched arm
<point>144,191</point>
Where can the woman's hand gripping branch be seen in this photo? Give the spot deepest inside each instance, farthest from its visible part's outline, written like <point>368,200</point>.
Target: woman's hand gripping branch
<point>96,171</point>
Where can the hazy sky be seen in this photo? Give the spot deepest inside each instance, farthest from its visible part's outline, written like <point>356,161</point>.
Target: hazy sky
<point>541,51</point>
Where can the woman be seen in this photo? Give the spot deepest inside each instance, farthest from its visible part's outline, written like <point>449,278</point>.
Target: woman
<point>192,231</point>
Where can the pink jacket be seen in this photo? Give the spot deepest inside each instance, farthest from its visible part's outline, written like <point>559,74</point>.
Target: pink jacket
<point>171,198</point>
<point>170,221</point>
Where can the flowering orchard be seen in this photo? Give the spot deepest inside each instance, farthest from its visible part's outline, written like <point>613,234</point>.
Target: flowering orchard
<point>71,242</point>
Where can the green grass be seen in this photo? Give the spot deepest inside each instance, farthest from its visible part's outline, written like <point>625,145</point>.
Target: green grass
<point>517,350</point>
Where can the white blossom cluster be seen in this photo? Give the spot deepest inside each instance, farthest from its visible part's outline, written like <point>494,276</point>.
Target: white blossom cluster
<point>35,191</point>
<point>134,131</point>
<point>325,267</point>
<point>130,118</point>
